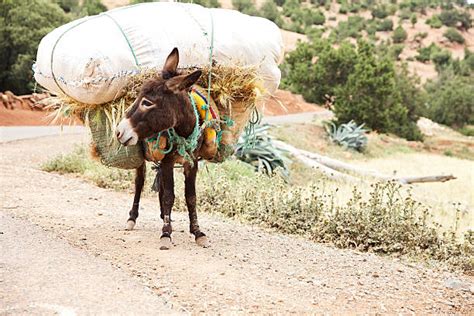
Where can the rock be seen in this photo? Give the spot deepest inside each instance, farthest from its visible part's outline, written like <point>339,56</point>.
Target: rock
<point>456,284</point>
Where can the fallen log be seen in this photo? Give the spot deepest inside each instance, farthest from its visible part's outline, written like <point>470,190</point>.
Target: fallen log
<point>332,168</point>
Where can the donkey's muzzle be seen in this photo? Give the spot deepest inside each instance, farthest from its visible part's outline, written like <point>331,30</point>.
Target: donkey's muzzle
<point>125,133</point>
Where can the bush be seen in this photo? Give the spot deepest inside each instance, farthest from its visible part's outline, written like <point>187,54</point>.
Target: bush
<point>22,25</point>
<point>413,19</point>
<point>451,100</point>
<point>454,36</point>
<point>350,28</point>
<point>91,7</point>
<point>385,25</point>
<point>396,50</point>
<point>440,57</point>
<point>380,12</point>
<point>371,96</point>
<point>453,17</point>
<point>434,22</point>
<point>399,35</point>
<point>404,14</point>
<point>245,6</point>
<point>269,10</point>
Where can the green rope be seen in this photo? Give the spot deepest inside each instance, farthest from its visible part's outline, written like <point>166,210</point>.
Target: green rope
<point>185,147</point>
<point>126,39</point>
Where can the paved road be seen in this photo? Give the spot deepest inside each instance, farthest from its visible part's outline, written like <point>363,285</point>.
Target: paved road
<point>306,117</point>
<point>11,133</point>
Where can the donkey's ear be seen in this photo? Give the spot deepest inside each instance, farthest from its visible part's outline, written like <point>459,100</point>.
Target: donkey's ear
<point>183,82</point>
<point>171,63</point>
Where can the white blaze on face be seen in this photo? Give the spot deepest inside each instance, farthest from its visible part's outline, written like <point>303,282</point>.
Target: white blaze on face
<point>125,133</point>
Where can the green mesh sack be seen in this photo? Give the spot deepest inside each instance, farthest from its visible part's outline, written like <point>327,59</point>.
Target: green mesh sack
<point>110,151</point>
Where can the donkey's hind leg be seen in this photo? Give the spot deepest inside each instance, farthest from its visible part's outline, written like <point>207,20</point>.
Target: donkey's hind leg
<point>139,181</point>
<point>190,173</point>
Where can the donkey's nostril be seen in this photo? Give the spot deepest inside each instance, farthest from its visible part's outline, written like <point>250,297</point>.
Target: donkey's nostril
<point>119,134</point>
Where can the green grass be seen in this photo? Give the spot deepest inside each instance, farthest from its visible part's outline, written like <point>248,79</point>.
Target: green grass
<point>385,219</point>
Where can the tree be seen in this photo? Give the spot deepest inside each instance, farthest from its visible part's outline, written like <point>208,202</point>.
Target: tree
<point>371,96</point>
<point>22,25</point>
<point>399,35</point>
<point>413,19</point>
<point>316,69</point>
<point>451,100</point>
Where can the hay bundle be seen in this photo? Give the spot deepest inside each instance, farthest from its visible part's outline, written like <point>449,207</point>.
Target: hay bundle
<point>235,90</point>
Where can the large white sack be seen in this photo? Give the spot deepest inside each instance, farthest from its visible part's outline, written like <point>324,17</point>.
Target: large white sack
<point>92,57</point>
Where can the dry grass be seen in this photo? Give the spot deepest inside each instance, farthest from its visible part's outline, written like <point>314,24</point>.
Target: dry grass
<point>445,199</point>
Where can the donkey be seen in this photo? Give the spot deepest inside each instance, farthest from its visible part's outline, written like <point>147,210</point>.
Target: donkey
<point>163,103</point>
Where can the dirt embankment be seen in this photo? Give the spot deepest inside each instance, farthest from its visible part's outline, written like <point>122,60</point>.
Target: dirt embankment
<point>247,269</point>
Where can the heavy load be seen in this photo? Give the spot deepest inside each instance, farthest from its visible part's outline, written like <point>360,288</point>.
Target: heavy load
<point>98,64</point>
<point>90,59</point>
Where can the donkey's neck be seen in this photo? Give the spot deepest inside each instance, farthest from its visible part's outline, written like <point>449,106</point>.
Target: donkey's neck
<point>186,119</point>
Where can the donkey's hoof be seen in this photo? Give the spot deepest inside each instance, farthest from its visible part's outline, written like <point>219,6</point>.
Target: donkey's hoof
<point>203,241</point>
<point>130,225</point>
<point>165,243</point>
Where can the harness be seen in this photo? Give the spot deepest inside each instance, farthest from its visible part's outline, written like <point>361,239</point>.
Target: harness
<point>206,124</point>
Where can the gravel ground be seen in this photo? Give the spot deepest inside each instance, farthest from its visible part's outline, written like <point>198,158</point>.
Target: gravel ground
<point>247,269</point>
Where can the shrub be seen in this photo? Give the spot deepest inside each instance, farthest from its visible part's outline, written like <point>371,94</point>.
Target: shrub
<point>371,96</point>
<point>434,22</point>
<point>380,12</point>
<point>22,25</point>
<point>385,25</point>
<point>453,17</point>
<point>350,28</point>
<point>451,100</point>
<point>245,6</point>
<point>396,50</point>
<point>413,19</point>
<point>454,36</point>
<point>91,7</point>
<point>318,17</point>
<point>204,3</point>
<point>399,35</point>
<point>404,14</point>
<point>441,58</point>
<point>269,10</point>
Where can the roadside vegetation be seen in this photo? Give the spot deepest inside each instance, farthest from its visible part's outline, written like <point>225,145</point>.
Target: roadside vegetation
<point>385,219</point>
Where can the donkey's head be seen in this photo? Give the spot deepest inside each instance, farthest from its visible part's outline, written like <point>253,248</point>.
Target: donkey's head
<point>158,105</point>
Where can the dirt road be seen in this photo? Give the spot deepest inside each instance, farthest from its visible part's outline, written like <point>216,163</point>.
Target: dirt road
<point>61,235</point>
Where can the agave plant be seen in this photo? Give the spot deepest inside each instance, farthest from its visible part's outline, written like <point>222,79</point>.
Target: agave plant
<point>348,135</point>
<point>256,148</point>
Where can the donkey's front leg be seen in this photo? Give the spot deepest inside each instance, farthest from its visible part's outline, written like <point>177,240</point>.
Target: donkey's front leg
<point>190,173</point>
<point>139,181</point>
<point>166,201</point>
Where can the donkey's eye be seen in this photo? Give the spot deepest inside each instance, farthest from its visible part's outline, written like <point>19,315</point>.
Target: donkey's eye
<point>147,103</point>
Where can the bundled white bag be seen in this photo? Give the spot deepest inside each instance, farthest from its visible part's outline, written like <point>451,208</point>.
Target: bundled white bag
<point>90,59</point>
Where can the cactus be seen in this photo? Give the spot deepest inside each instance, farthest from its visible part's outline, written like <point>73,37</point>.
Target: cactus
<point>348,135</point>
<point>257,149</point>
